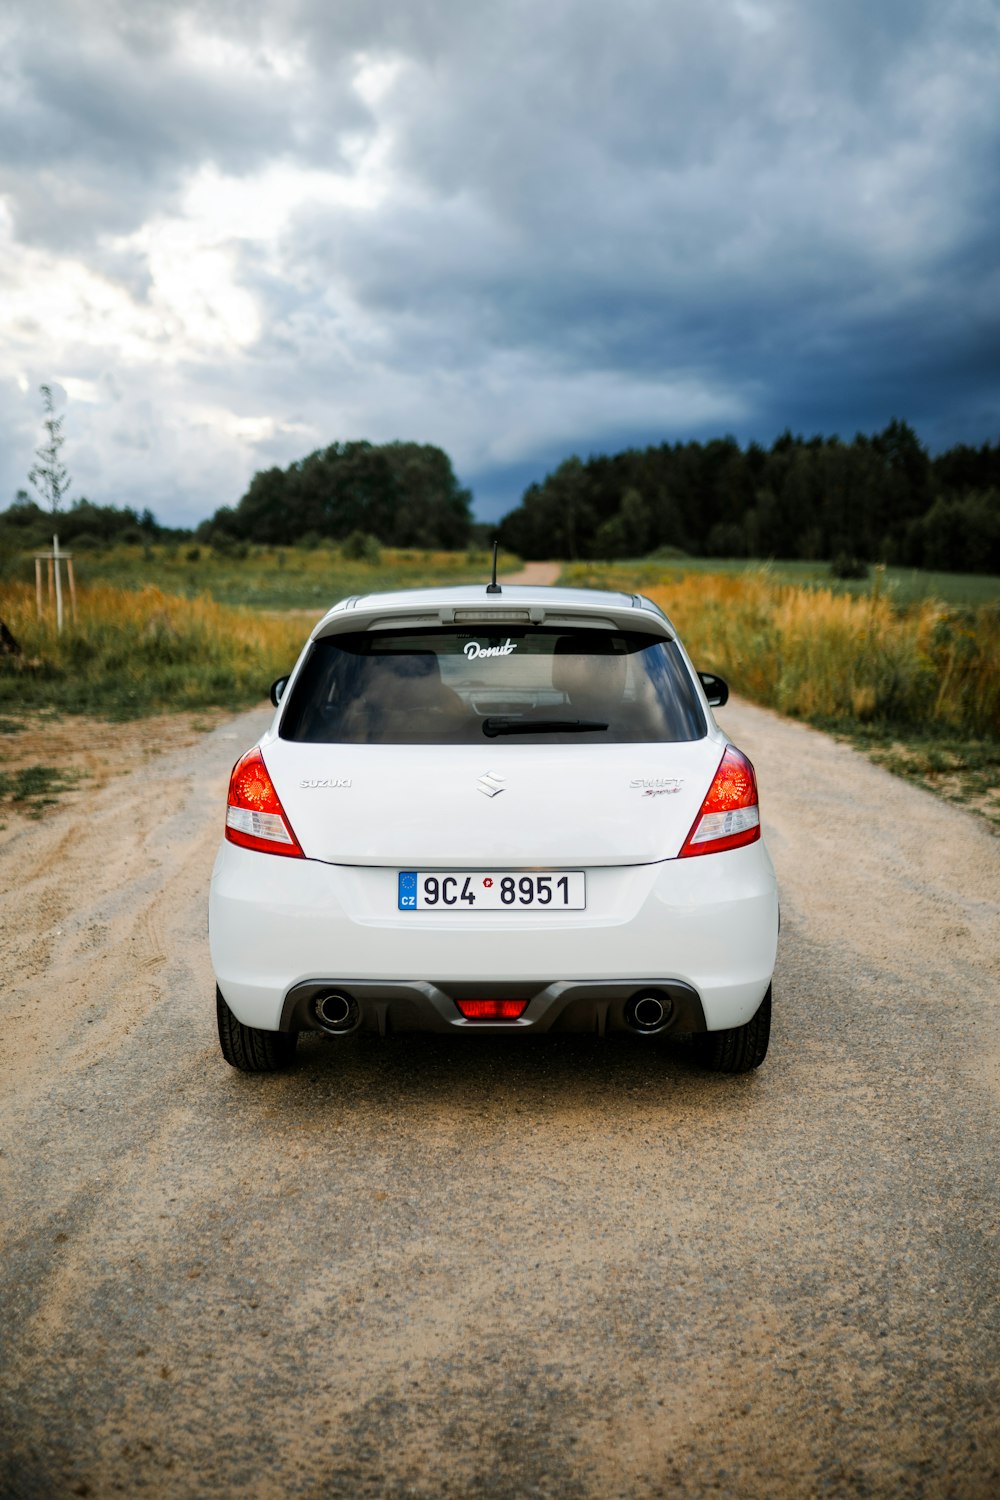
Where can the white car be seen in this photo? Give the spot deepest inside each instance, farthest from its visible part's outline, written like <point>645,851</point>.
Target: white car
<point>481,808</point>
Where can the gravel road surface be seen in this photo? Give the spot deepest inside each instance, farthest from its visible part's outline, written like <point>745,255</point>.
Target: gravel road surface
<point>465,1267</point>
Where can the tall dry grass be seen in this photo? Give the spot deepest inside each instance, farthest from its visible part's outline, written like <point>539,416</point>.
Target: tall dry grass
<point>811,652</point>
<point>833,657</point>
<point>137,652</point>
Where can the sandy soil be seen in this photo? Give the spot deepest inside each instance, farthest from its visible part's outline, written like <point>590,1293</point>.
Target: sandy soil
<point>423,1267</point>
<point>87,753</point>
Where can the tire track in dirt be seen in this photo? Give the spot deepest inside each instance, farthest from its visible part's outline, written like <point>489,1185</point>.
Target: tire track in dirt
<point>89,907</point>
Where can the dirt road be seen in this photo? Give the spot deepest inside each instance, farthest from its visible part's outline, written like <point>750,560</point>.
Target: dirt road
<point>543,574</point>
<point>428,1268</point>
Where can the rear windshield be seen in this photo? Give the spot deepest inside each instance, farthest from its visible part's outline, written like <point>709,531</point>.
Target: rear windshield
<point>525,685</point>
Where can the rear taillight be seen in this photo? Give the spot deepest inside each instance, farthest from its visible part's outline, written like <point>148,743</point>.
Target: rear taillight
<point>729,815</point>
<point>255,817</point>
<point>491,1010</point>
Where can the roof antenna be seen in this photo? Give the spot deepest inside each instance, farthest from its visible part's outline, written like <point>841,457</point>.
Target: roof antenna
<point>494,587</point>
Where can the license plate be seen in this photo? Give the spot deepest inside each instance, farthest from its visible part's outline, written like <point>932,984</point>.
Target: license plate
<point>486,890</point>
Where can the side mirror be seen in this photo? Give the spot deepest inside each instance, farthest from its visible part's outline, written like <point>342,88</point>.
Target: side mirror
<point>277,688</point>
<point>716,690</point>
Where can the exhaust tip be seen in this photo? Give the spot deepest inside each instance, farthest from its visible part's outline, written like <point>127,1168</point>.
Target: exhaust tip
<point>337,1013</point>
<point>648,1011</point>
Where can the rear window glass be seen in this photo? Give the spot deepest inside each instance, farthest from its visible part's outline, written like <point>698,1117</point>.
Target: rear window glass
<point>522,686</point>
<point>526,685</point>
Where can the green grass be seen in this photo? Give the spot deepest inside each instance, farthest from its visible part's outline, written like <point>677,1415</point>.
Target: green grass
<point>276,577</point>
<point>904,586</point>
<point>35,787</point>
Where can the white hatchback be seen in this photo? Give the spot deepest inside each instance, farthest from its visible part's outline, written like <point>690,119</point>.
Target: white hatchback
<point>485,808</point>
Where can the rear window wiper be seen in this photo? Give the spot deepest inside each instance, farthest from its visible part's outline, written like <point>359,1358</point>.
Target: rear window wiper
<point>498,724</point>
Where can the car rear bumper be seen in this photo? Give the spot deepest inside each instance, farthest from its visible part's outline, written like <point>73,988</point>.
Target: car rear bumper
<point>707,925</point>
<point>567,1005</point>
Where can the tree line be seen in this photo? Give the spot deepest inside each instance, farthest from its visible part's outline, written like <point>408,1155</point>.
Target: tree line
<point>396,494</point>
<point>83,524</point>
<point>876,499</point>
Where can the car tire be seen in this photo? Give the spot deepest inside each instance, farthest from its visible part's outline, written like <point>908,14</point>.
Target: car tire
<point>247,1047</point>
<point>740,1048</point>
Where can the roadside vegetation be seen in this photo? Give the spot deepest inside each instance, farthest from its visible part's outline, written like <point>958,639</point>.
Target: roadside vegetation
<point>135,652</point>
<point>211,632</point>
<point>912,680</point>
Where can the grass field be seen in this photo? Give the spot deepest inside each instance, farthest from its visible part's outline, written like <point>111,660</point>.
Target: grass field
<point>904,586</point>
<point>274,577</point>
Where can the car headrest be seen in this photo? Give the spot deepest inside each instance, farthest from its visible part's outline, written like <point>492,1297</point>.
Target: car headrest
<point>598,674</point>
<point>411,666</point>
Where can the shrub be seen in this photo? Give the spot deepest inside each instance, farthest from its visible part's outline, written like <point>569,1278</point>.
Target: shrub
<point>225,545</point>
<point>86,541</point>
<point>846,566</point>
<point>359,546</point>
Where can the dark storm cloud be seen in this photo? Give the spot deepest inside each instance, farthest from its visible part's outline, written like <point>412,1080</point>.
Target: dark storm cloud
<point>599,225</point>
<point>642,188</point>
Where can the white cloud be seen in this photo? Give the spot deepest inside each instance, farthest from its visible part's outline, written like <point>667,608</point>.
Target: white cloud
<point>88,391</point>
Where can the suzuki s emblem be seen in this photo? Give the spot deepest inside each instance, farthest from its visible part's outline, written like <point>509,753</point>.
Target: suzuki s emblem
<point>490,784</point>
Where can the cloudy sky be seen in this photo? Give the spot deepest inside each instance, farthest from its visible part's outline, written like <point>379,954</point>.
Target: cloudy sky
<point>234,231</point>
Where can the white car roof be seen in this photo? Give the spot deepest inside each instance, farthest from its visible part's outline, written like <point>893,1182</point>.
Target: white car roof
<point>472,603</point>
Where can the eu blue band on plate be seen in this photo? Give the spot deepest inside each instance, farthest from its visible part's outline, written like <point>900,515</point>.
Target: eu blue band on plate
<point>407,889</point>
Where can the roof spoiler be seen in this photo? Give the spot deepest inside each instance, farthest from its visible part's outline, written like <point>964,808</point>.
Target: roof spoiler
<point>374,613</point>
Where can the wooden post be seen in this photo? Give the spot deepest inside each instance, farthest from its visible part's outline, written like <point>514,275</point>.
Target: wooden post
<point>59,609</point>
<point>72,587</point>
<point>55,560</point>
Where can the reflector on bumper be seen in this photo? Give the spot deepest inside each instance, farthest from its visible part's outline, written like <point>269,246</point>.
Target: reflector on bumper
<point>491,1010</point>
